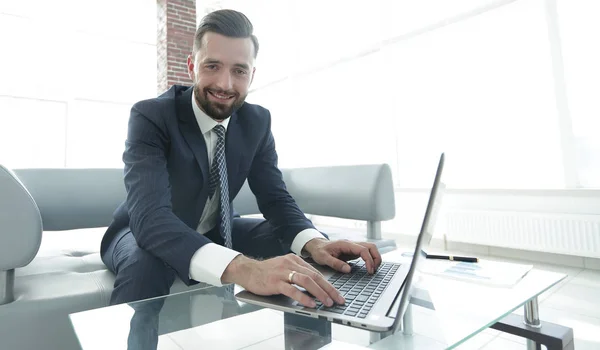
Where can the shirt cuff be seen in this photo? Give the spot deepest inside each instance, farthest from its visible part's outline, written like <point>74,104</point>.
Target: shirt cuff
<point>302,238</point>
<point>209,262</point>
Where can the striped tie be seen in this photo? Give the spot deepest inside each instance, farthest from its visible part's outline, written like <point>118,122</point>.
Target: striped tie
<point>218,179</point>
<point>218,176</point>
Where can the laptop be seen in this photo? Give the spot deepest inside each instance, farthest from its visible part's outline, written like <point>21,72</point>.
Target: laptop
<point>374,302</point>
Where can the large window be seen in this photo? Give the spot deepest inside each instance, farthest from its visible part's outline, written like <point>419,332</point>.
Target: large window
<point>579,31</point>
<point>70,72</point>
<point>508,89</point>
<point>505,88</point>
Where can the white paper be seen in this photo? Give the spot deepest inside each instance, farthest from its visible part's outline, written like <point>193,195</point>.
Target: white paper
<point>485,272</point>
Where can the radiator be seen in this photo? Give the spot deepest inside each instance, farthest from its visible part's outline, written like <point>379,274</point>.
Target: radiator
<point>571,234</point>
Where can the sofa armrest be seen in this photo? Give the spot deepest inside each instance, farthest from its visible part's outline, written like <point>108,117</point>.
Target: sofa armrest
<point>20,223</point>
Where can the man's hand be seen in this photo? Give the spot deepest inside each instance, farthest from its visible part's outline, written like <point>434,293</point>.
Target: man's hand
<point>270,277</point>
<point>335,253</point>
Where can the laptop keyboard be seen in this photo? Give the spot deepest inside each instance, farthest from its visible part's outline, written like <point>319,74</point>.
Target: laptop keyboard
<point>360,289</point>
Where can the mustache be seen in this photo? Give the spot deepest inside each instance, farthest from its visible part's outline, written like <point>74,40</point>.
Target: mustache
<point>221,91</point>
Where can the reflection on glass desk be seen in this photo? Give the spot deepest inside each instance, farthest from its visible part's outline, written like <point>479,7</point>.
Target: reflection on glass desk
<point>443,314</point>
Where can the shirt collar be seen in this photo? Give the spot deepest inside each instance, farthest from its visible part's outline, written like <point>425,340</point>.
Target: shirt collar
<point>205,122</point>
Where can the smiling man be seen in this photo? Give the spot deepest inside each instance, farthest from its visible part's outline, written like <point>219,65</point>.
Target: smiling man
<point>187,155</point>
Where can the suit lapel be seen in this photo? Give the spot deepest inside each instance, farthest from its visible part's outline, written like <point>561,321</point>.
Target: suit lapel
<point>191,132</point>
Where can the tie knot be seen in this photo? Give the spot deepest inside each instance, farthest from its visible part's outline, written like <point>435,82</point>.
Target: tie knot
<point>219,130</point>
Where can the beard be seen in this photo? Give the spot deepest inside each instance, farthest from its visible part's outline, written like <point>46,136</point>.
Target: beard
<point>216,110</point>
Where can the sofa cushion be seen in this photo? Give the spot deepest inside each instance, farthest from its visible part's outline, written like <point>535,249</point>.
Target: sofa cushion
<point>68,268</point>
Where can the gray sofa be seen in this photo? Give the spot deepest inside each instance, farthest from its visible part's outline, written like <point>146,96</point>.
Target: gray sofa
<point>52,221</point>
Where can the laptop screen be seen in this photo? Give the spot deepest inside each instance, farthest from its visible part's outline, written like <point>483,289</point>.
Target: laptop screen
<point>423,240</point>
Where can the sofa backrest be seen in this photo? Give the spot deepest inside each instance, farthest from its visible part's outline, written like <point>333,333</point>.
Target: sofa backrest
<point>358,192</point>
<point>32,200</point>
<point>82,198</point>
<point>74,198</point>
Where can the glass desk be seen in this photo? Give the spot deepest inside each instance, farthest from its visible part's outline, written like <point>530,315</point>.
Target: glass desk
<point>443,314</point>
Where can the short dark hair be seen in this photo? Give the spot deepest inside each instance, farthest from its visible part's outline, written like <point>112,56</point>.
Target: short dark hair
<point>229,23</point>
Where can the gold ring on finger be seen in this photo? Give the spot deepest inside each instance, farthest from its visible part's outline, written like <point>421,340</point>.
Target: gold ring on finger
<point>291,277</point>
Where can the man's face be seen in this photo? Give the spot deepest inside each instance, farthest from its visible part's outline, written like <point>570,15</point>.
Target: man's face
<point>222,71</point>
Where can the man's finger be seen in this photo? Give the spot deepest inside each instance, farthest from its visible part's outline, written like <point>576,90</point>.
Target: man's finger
<point>337,264</point>
<point>359,250</point>
<point>303,263</point>
<point>366,256</point>
<point>374,253</point>
<point>305,281</point>
<point>318,277</point>
<point>329,289</point>
<point>294,293</point>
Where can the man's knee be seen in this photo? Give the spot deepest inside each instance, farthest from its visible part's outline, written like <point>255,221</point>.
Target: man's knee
<point>144,265</point>
<point>142,276</point>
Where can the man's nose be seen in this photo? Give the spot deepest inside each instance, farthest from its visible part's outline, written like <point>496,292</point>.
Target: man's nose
<point>224,81</point>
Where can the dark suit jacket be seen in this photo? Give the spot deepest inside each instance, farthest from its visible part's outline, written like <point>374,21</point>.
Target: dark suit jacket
<point>167,173</point>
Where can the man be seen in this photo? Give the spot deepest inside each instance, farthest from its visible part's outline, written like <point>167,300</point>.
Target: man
<point>188,153</point>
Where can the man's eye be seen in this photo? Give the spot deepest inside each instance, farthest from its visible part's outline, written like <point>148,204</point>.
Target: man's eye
<point>240,72</point>
<point>211,67</point>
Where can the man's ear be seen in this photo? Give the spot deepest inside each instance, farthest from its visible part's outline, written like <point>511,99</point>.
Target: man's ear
<point>190,66</point>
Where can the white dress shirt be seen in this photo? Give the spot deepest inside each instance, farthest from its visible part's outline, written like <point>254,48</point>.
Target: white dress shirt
<point>211,260</point>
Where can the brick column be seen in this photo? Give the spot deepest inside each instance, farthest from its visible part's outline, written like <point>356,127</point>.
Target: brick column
<point>176,28</point>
